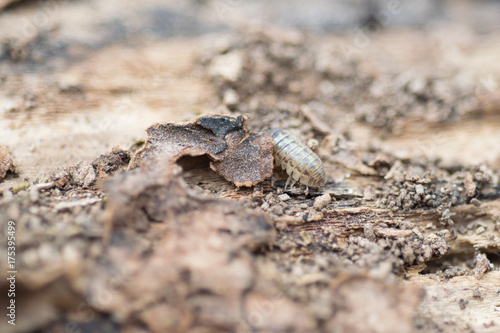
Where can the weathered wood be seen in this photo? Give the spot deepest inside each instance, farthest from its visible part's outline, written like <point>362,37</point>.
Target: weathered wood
<point>191,247</point>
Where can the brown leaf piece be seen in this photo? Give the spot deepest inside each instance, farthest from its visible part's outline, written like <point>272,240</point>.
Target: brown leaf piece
<point>6,163</point>
<point>242,157</point>
<point>249,162</point>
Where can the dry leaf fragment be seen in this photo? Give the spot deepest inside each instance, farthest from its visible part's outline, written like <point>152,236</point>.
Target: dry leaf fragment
<point>242,157</point>
<point>249,162</point>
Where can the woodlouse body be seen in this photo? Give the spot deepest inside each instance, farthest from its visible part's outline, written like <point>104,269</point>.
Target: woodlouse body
<point>299,162</point>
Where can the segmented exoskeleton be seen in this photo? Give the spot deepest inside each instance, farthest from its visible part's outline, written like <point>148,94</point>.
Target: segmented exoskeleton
<point>300,163</point>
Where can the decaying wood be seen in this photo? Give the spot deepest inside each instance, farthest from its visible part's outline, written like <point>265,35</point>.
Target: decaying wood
<point>242,157</point>
<point>464,302</point>
<point>403,237</point>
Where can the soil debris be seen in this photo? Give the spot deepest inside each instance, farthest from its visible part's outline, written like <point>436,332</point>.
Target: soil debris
<point>60,176</point>
<point>264,72</point>
<point>412,185</point>
<point>482,266</point>
<point>470,186</point>
<point>322,201</point>
<point>82,174</point>
<point>108,165</point>
<point>151,231</point>
<point>170,253</point>
<point>6,163</point>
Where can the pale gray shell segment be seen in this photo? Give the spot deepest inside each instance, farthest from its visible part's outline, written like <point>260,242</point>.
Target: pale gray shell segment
<point>299,162</point>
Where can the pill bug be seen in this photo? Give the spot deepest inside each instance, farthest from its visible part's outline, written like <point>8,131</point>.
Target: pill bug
<point>300,163</point>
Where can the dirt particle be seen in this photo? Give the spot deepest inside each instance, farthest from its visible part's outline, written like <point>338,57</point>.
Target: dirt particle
<point>6,163</point>
<point>482,265</point>
<point>59,176</point>
<point>227,66</point>
<point>417,233</point>
<point>369,233</point>
<point>230,98</point>
<point>470,186</point>
<point>313,144</point>
<point>419,189</point>
<point>408,254</point>
<point>475,202</point>
<point>322,201</point>
<point>305,216</point>
<point>306,237</point>
<point>82,174</point>
<point>284,197</point>
<point>314,215</point>
<point>277,210</point>
<point>109,164</point>
<point>446,217</point>
<point>477,294</point>
<point>369,193</point>
<point>412,177</point>
<point>391,232</point>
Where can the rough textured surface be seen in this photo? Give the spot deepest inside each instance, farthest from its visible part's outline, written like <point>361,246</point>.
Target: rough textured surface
<point>6,163</point>
<point>249,162</point>
<point>403,113</point>
<point>184,275</point>
<point>277,66</point>
<point>242,157</point>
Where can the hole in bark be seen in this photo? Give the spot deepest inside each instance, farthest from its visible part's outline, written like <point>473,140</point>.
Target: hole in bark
<point>194,162</point>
